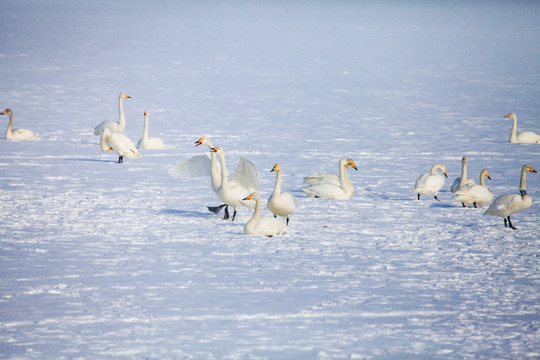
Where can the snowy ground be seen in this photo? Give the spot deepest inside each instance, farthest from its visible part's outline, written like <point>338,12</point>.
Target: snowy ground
<point>101,260</point>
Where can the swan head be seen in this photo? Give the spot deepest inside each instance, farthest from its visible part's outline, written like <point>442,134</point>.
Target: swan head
<point>511,115</point>
<point>464,159</point>
<point>486,173</point>
<point>254,195</point>
<point>350,162</point>
<point>124,96</point>
<point>202,140</point>
<point>528,168</point>
<point>440,167</point>
<point>217,150</point>
<point>7,111</point>
<point>145,113</point>
<point>276,167</point>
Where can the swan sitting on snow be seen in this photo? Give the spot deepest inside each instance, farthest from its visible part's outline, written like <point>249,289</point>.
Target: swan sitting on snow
<point>263,225</point>
<point>149,142</point>
<point>17,134</point>
<point>281,203</point>
<point>115,127</point>
<point>120,144</point>
<point>463,179</point>
<point>509,204</point>
<point>430,184</point>
<point>475,194</point>
<point>324,186</point>
<point>525,137</point>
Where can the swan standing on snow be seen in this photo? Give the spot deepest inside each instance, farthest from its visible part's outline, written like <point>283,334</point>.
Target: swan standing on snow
<point>281,203</point>
<point>324,185</point>
<point>475,194</point>
<point>17,134</point>
<point>149,142</point>
<point>525,137</point>
<point>245,176</point>
<point>115,127</point>
<point>231,195</point>
<point>463,179</point>
<point>120,144</point>
<point>263,225</point>
<point>509,204</point>
<point>430,184</point>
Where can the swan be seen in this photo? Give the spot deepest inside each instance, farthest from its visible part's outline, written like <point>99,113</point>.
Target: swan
<point>227,192</point>
<point>509,204</point>
<point>120,144</point>
<point>149,142</point>
<point>430,184</point>
<point>525,137</point>
<point>263,225</point>
<point>245,175</point>
<point>281,203</point>
<point>17,134</point>
<point>475,194</point>
<point>113,125</point>
<point>463,179</point>
<point>328,189</point>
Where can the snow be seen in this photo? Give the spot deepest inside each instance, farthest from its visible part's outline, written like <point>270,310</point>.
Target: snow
<point>105,260</point>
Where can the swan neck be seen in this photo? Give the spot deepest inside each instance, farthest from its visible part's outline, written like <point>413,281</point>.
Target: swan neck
<point>523,179</point>
<point>104,147</point>
<point>214,171</point>
<point>224,180</point>
<point>257,212</point>
<point>482,179</point>
<point>145,129</point>
<point>10,126</point>
<point>344,176</point>
<point>463,179</point>
<point>514,129</point>
<point>277,187</point>
<point>122,121</point>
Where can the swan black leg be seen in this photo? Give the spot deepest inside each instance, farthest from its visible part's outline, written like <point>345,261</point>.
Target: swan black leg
<point>418,197</point>
<point>464,205</point>
<point>505,223</point>
<point>474,203</point>
<point>120,159</point>
<point>227,215</point>
<point>287,221</point>
<point>510,224</point>
<point>234,215</point>
<point>436,198</point>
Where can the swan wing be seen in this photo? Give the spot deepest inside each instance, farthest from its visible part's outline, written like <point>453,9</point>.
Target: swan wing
<point>325,191</point>
<point>455,184</point>
<point>528,137</point>
<point>123,146</point>
<point>196,166</point>
<point>265,225</point>
<point>22,134</point>
<point>246,175</point>
<point>508,204</point>
<point>323,178</point>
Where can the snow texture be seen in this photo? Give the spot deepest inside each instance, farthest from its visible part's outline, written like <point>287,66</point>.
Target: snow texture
<point>100,260</point>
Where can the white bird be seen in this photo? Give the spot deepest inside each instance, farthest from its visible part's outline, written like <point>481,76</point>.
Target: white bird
<point>263,225</point>
<point>228,192</point>
<point>327,188</point>
<point>509,204</point>
<point>115,127</point>
<point>149,142</point>
<point>463,179</point>
<point>281,203</point>
<point>525,137</point>
<point>120,144</point>
<point>244,176</point>
<point>17,134</point>
<point>475,194</point>
<point>430,184</point>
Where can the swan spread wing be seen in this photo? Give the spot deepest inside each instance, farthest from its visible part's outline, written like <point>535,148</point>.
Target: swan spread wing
<point>246,176</point>
<point>196,166</point>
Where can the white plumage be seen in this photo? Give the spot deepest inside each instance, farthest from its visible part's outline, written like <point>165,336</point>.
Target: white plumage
<point>476,194</point>
<point>17,134</point>
<point>430,184</point>
<point>149,142</point>
<point>525,137</point>
<point>324,185</point>
<point>281,203</point>
<point>114,126</point>
<point>463,179</point>
<point>120,144</point>
<point>263,225</point>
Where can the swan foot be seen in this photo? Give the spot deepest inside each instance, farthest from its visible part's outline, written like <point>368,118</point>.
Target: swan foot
<point>216,209</point>
<point>120,159</point>
<point>435,197</point>
<point>509,224</point>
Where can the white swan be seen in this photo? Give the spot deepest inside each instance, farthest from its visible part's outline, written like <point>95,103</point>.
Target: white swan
<point>149,142</point>
<point>17,134</point>
<point>228,192</point>
<point>430,184</point>
<point>245,174</point>
<point>115,127</point>
<point>475,194</point>
<point>509,204</point>
<point>463,179</point>
<point>328,189</point>
<point>263,225</point>
<point>525,137</point>
<point>120,144</point>
<point>281,203</point>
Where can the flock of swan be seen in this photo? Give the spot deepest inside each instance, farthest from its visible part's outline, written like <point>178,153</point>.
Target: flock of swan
<point>240,189</point>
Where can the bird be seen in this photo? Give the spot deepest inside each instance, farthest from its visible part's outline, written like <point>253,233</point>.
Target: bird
<point>17,134</point>
<point>430,184</point>
<point>509,204</point>
<point>244,176</point>
<point>228,193</point>
<point>281,203</point>
<point>524,137</point>
<point>120,144</point>
<point>149,142</point>
<point>263,225</point>
<point>463,179</point>
<point>476,194</point>
<point>115,127</point>
<point>328,188</point>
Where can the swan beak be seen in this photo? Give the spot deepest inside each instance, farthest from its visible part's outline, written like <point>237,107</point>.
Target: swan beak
<point>532,170</point>
<point>489,177</point>
<point>198,142</point>
<point>109,149</point>
<point>127,96</point>
<point>248,197</point>
<point>146,113</point>
<point>445,174</point>
<point>3,112</point>
<point>275,168</point>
